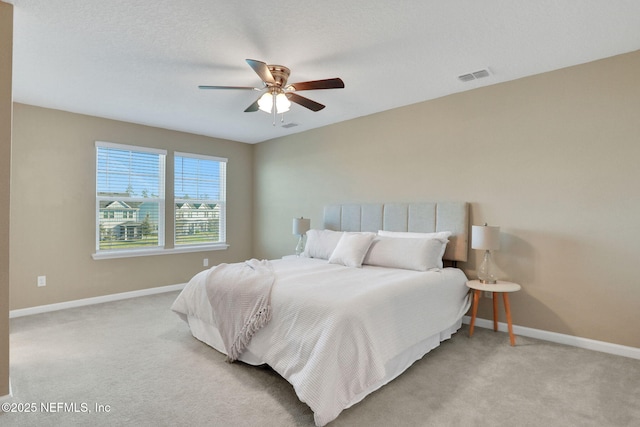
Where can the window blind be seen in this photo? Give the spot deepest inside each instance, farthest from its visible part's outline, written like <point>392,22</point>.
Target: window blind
<point>129,197</point>
<point>200,199</point>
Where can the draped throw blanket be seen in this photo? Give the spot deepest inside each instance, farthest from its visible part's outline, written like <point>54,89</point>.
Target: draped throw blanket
<point>240,295</point>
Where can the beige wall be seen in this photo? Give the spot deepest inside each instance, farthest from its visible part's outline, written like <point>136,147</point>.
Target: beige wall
<point>53,208</point>
<point>6,57</point>
<point>552,159</point>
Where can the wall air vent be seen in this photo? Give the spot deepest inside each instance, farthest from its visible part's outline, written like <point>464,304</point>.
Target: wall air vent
<point>475,75</point>
<point>290,125</point>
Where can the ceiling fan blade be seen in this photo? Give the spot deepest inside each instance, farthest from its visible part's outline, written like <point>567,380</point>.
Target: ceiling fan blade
<point>305,102</point>
<point>253,107</point>
<point>229,87</point>
<point>336,83</point>
<point>261,70</point>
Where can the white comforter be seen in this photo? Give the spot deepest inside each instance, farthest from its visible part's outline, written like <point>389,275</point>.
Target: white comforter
<point>338,333</point>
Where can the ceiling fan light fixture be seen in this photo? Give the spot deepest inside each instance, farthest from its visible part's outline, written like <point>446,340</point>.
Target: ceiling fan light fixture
<point>265,103</point>
<point>282,103</point>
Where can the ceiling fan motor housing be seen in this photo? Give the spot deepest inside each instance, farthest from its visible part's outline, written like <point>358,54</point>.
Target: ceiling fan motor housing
<point>280,74</point>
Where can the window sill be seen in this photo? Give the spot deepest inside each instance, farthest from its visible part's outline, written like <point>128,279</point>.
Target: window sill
<point>158,251</point>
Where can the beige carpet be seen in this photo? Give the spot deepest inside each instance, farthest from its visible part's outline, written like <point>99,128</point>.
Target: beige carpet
<point>134,362</point>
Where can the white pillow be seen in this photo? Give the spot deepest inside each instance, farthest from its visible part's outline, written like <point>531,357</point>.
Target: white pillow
<point>351,249</point>
<point>411,234</point>
<point>410,254</point>
<point>321,243</point>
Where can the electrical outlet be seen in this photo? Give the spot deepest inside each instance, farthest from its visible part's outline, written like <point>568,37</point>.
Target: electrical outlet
<point>205,262</point>
<point>488,294</point>
<point>42,281</point>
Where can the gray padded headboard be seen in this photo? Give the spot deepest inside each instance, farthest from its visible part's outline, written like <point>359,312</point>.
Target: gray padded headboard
<point>417,217</point>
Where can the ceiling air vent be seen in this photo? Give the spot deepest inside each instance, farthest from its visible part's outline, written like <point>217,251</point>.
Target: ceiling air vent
<point>290,125</point>
<point>466,77</point>
<point>473,76</point>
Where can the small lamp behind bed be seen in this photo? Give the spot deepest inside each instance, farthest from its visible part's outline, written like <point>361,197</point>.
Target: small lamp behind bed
<point>300,227</point>
<point>487,238</point>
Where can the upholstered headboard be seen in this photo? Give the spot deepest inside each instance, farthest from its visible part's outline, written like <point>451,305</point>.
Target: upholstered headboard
<point>416,217</point>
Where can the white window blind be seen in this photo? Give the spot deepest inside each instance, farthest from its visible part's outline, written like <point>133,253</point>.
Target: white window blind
<point>200,199</point>
<point>129,197</point>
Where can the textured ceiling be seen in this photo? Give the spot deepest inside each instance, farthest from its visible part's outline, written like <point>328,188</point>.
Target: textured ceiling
<point>141,61</point>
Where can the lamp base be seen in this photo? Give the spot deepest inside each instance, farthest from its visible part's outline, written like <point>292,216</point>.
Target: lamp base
<point>300,246</point>
<point>486,272</point>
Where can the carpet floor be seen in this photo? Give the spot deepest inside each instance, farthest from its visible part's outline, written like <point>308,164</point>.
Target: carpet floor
<point>134,362</point>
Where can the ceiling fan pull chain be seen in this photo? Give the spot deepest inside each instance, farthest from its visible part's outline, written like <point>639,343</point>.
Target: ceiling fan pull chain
<point>275,113</point>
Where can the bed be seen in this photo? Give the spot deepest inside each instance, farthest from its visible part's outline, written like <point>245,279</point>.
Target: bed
<point>339,332</point>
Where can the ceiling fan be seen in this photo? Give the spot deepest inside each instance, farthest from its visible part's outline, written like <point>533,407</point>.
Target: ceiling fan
<point>278,94</point>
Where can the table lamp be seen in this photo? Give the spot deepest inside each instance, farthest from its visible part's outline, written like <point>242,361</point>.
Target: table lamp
<point>487,238</point>
<point>300,227</point>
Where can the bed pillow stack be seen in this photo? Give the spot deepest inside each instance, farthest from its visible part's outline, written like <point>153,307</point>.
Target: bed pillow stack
<point>406,250</point>
<point>351,249</point>
<point>338,247</point>
<point>321,243</point>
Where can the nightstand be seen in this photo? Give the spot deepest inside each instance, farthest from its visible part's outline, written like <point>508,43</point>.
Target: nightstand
<point>501,287</point>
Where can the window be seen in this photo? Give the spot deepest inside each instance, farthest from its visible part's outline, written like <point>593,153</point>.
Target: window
<point>131,206</point>
<point>200,199</point>
<point>129,197</point>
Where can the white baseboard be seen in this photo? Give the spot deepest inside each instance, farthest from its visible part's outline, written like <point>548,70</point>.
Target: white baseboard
<point>586,343</point>
<point>96,300</point>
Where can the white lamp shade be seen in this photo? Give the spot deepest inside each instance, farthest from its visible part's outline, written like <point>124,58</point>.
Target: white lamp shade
<point>282,103</point>
<point>265,103</point>
<point>301,226</point>
<point>485,237</point>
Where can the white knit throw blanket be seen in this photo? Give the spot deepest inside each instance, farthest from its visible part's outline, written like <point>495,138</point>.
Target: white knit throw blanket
<point>240,295</point>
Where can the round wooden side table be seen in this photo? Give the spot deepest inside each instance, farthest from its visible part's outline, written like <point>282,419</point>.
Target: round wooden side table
<point>501,287</point>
